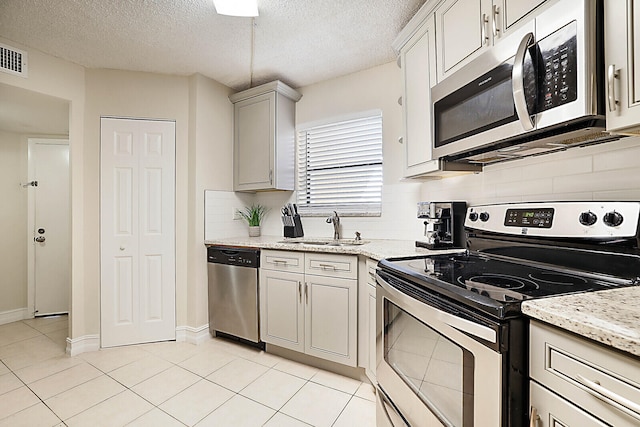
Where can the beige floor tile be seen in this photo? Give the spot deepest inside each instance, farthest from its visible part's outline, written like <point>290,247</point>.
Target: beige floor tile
<point>196,402</point>
<point>237,374</point>
<point>14,332</point>
<point>3,368</point>
<point>339,382</point>
<point>358,412</point>
<point>112,358</point>
<point>207,361</point>
<point>9,382</point>
<point>316,404</point>
<point>166,384</point>
<point>174,352</point>
<point>46,325</point>
<point>238,412</point>
<point>140,370</point>
<point>282,420</point>
<point>80,398</point>
<point>29,352</point>
<point>59,337</point>
<point>273,389</point>
<point>37,415</point>
<point>366,391</point>
<point>155,418</point>
<point>119,410</point>
<point>298,369</point>
<point>64,380</point>
<point>48,367</point>
<point>16,400</point>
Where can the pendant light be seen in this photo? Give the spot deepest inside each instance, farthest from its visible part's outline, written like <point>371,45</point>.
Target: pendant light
<point>236,7</point>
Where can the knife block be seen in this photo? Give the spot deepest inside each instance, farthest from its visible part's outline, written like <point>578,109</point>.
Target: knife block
<point>296,230</point>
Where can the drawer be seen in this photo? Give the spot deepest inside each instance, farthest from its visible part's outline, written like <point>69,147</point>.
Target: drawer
<point>599,380</point>
<point>282,261</point>
<point>371,271</point>
<point>331,265</point>
<point>554,411</point>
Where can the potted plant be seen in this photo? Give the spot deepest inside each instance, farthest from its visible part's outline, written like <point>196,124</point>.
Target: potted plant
<point>253,215</point>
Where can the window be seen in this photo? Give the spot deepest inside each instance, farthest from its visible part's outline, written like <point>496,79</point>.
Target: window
<point>340,167</point>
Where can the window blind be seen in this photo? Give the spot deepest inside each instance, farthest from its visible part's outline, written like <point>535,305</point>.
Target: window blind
<point>340,167</point>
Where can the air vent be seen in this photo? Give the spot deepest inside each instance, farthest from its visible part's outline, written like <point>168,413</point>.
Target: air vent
<point>13,61</point>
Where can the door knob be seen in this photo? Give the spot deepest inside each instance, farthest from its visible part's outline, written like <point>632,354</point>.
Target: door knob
<point>40,239</point>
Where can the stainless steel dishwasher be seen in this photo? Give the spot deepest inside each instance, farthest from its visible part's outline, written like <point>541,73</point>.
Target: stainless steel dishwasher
<point>233,292</point>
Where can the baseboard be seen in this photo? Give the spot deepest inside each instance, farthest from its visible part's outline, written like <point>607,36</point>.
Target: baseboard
<point>193,335</point>
<point>83,344</point>
<point>10,316</point>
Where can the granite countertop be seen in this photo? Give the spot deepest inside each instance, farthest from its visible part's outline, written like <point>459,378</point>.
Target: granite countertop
<point>373,248</point>
<point>611,317</point>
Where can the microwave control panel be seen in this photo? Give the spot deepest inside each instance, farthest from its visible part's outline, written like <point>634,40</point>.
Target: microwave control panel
<point>557,68</point>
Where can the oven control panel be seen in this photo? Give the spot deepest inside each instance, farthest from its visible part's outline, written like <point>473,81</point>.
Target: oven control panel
<point>601,220</point>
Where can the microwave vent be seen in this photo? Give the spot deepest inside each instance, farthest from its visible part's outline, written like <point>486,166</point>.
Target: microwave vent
<point>587,137</point>
<point>13,61</point>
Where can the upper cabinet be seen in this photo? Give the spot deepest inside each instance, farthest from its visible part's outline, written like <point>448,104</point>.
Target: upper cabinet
<point>264,128</point>
<point>465,28</point>
<point>622,51</point>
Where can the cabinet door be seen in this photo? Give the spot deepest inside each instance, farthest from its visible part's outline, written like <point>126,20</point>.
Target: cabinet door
<point>330,318</point>
<point>462,31</point>
<point>418,58</point>
<point>514,10</point>
<point>554,411</point>
<point>371,296</point>
<point>622,54</point>
<point>254,139</point>
<point>282,309</point>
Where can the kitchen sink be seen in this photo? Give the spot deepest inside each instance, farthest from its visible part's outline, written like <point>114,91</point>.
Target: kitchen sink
<point>324,242</point>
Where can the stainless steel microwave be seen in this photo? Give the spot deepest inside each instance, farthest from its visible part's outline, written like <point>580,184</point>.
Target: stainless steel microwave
<point>539,89</point>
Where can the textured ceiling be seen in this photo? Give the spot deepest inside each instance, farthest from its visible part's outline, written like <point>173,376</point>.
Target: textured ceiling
<point>299,42</point>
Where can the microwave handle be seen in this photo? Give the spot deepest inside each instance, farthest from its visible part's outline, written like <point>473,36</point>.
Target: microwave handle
<point>517,81</point>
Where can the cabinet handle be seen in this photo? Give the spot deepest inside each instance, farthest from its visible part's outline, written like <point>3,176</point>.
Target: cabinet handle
<point>279,261</point>
<point>496,16</point>
<point>596,390</point>
<point>611,80</point>
<point>271,176</point>
<point>534,418</point>
<point>306,293</point>
<point>300,291</point>
<point>327,267</point>
<point>484,34</point>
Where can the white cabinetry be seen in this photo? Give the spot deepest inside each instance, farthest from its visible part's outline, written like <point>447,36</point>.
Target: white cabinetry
<point>602,385</point>
<point>622,61</point>
<point>367,317</point>
<point>308,303</point>
<point>264,137</point>
<point>464,28</point>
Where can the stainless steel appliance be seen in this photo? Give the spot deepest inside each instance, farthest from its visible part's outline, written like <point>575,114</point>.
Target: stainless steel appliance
<point>233,292</point>
<point>443,224</point>
<point>452,342</point>
<point>540,89</point>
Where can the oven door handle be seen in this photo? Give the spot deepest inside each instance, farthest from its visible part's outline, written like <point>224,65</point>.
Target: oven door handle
<point>468,327</point>
<point>385,403</point>
<point>517,81</point>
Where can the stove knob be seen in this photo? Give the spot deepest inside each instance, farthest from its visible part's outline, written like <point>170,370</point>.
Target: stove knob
<point>484,216</point>
<point>473,216</point>
<point>613,219</point>
<point>588,218</point>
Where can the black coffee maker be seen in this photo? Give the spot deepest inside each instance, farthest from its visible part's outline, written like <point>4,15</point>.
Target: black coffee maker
<point>443,224</point>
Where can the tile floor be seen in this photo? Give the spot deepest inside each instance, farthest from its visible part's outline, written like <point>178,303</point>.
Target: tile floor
<point>218,383</point>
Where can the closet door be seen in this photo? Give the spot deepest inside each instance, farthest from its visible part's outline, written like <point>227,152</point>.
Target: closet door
<point>137,231</point>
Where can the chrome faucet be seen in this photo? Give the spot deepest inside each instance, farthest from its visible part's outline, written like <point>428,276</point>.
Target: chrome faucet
<point>335,219</point>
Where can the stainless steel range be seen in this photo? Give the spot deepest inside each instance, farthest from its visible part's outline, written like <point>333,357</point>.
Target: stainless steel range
<point>452,341</point>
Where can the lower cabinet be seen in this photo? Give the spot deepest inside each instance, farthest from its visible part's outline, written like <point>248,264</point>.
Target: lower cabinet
<point>576,382</point>
<point>311,309</point>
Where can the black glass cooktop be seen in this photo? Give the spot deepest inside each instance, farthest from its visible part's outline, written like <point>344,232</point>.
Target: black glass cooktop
<point>495,285</point>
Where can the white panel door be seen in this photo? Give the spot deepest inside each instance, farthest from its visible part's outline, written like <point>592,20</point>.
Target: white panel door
<point>137,231</point>
<point>49,226</point>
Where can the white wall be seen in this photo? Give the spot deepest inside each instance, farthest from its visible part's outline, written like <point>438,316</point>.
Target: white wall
<point>13,217</point>
<point>375,88</point>
<point>601,172</point>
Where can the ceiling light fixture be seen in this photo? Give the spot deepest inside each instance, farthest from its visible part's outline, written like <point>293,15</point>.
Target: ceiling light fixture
<point>236,7</point>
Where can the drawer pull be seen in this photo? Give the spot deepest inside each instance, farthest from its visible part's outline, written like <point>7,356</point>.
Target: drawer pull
<point>625,405</point>
<point>279,261</point>
<point>327,266</point>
